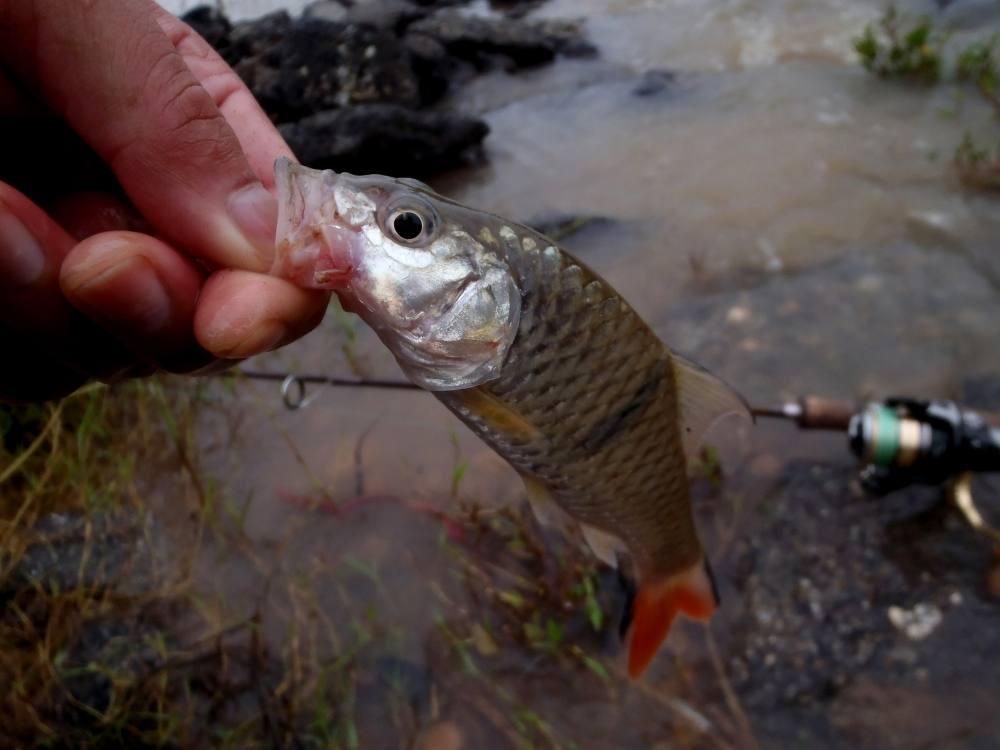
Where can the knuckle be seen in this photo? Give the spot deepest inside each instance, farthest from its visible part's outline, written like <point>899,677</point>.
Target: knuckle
<point>189,128</point>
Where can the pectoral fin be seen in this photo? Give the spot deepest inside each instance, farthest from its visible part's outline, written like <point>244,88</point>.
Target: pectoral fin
<point>497,415</point>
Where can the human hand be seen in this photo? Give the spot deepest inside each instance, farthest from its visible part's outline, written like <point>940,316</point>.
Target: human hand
<point>133,163</point>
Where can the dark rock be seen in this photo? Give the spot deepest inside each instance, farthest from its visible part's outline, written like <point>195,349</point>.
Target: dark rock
<point>326,10</point>
<point>560,228</point>
<point>654,82</point>
<point>436,70</point>
<point>213,26</point>
<point>107,651</point>
<point>515,8</point>
<point>568,38</point>
<point>387,139</point>
<point>435,4</point>
<point>346,79</point>
<point>818,603</point>
<point>394,15</point>
<point>115,552</point>
<point>260,37</point>
<point>317,65</point>
<point>481,41</point>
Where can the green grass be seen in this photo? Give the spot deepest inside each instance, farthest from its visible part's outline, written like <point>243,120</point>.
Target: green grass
<point>224,639</point>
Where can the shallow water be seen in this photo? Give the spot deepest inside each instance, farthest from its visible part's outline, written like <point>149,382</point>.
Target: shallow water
<point>783,218</point>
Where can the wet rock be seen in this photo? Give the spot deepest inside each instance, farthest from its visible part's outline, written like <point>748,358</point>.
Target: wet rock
<point>213,26</point>
<point>559,228</point>
<point>969,14</point>
<point>436,70</point>
<point>858,328</point>
<point>521,44</point>
<point>257,38</point>
<point>326,10</point>
<point>387,14</point>
<point>654,82</point>
<point>349,81</point>
<point>386,139</point>
<point>816,603</point>
<point>120,553</point>
<point>515,8</point>
<point>840,590</point>
<point>318,65</point>
<point>107,651</point>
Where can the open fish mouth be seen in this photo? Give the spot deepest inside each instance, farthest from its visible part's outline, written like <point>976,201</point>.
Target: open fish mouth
<point>315,255</point>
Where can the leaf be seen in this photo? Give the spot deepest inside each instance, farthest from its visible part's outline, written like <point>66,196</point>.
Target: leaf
<point>919,36</point>
<point>483,641</point>
<point>594,666</point>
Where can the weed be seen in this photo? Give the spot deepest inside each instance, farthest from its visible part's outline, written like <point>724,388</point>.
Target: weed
<point>910,52</point>
<point>913,51</point>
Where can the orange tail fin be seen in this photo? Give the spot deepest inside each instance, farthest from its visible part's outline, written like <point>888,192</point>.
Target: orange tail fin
<point>692,591</point>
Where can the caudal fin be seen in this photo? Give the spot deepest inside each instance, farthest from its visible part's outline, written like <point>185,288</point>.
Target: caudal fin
<point>691,591</point>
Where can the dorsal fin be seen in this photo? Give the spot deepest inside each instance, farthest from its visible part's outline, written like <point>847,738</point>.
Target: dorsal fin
<point>704,400</point>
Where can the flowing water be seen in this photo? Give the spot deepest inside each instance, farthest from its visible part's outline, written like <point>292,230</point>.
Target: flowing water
<point>785,219</point>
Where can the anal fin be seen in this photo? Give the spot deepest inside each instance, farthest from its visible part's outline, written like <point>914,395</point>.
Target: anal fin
<point>607,547</point>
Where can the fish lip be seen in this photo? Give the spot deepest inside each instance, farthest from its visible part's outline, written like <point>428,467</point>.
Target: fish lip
<point>315,248</point>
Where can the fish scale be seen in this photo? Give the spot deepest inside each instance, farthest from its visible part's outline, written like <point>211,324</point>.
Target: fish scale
<point>580,355</point>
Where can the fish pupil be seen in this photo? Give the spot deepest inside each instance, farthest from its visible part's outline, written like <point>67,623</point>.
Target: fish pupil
<point>408,225</point>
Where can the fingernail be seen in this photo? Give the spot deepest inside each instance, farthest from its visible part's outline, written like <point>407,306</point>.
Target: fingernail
<point>236,332</point>
<point>21,258</point>
<point>255,212</point>
<point>125,295</point>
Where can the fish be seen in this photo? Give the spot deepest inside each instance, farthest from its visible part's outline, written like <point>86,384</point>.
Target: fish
<point>539,356</point>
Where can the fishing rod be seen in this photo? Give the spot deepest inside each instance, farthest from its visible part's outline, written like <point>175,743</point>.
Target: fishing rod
<point>294,386</point>
<point>900,441</point>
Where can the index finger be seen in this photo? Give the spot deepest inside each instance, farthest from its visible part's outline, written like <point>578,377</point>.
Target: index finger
<point>108,69</point>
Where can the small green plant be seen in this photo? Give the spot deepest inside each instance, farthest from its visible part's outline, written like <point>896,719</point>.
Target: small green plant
<point>894,50</point>
<point>977,165</point>
<point>979,63</point>
<point>912,51</point>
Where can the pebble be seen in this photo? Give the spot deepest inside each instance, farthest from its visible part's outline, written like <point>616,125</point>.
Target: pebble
<point>738,314</point>
<point>916,623</point>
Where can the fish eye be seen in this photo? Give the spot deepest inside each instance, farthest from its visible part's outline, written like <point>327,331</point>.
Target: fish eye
<point>407,225</point>
<point>409,220</point>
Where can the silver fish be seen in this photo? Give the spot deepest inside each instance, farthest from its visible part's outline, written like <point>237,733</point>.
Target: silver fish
<point>537,354</point>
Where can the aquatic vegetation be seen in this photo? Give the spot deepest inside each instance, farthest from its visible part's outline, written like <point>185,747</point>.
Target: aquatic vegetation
<point>914,50</point>
<point>120,626</point>
<point>899,49</point>
<point>978,166</point>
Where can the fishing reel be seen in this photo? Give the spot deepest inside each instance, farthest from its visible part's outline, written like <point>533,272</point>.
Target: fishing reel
<point>905,441</point>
